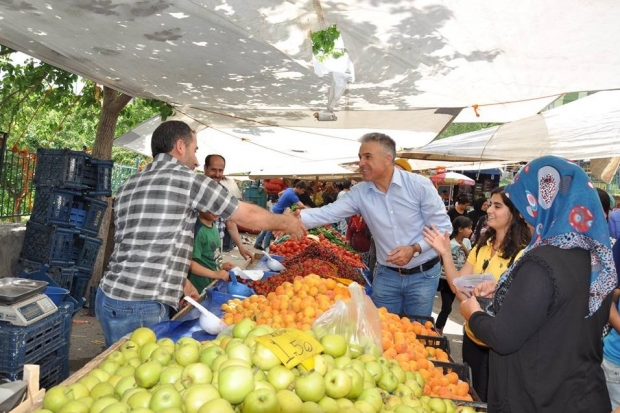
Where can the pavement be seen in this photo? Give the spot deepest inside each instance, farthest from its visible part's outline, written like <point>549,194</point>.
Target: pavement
<point>87,340</point>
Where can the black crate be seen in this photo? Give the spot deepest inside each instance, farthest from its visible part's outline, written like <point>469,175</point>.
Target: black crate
<point>92,299</point>
<point>421,319</point>
<point>87,214</point>
<point>52,206</point>
<point>98,177</point>
<point>49,244</point>
<point>79,287</point>
<point>53,368</point>
<point>61,168</point>
<point>84,252</point>
<point>62,276</point>
<point>464,373</point>
<point>437,342</point>
<point>30,344</point>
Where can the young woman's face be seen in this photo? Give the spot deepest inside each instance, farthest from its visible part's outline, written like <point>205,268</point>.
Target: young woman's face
<point>466,232</point>
<point>498,214</point>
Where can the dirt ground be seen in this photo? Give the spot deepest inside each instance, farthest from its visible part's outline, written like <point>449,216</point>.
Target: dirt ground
<point>87,340</point>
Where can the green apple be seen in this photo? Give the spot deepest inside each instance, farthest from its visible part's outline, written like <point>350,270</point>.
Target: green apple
<point>187,340</point>
<point>197,395</point>
<point>146,351</point>
<point>391,402</point>
<point>337,383</point>
<point>126,383</point>
<point>109,366</point>
<point>334,344</point>
<point>311,407</point>
<point>148,373</point>
<point>134,361</point>
<point>415,387</point>
<point>218,361</point>
<point>261,401</point>
<point>437,405</point>
<point>126,370</point>
<point>375,370</point>
<point>289,401</point>
<point>388,382</point>
<point>118,407</point>
<point>372,396</point>
<point>170,374</point>
<point>130,346</point>
<point>411,401</point>
<point>234,362</point>
<point>235,383</point>
<point>364,407</point>
<point>163,355</point>
<point>130,392</point>
<point>209,354</point>
<point>165,396</point>
<point>399,373</point>
<point>243,328</point>
<point>89,381</point>
<point>280,377</point>
<point>260,330</point>
<point>239,351</point>
<point>217,405</point>
<point>404,409</point>
<point>115,379</point>
<point>78,390</point>
<point>186,354</point>
<point>101,390</point>
<point>403,390</point>
<point>141,398</point>
<point>342,361</point>
<point>117,356</point>
<point>87,401</point>
<point>102,403</point>
<point>357,383</point>
<point>196,373</point>
<point>264,385</point>
<point>328,405</point>
<point>344,404</point>
<point>166,343</point>
<point>310,387</point>
<point>74,406</point>
<point>142,336</point>
<point>263,358</point>
<point>259,375</point>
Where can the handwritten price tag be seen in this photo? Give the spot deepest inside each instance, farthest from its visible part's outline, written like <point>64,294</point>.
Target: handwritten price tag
<point>291,346</point>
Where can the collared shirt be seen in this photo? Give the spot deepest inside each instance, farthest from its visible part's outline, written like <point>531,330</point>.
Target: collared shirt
<point>154,216</point>
<point>395,218</point>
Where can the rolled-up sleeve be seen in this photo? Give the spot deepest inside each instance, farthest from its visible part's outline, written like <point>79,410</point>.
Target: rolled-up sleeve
<point>341,209</point>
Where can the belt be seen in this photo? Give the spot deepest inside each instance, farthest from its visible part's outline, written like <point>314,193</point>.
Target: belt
<point>414,270</point>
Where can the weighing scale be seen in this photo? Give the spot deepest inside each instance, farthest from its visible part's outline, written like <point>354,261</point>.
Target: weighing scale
<point>21,303</point>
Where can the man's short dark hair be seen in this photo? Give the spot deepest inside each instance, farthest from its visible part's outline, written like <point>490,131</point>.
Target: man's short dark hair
<point>346,184</point>
<point>211,156</point>
<point>463,200</point>
<point>167,134</point>
<point>301,185</point>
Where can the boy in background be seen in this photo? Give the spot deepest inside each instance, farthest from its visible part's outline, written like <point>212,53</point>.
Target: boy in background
<point>206,264</point>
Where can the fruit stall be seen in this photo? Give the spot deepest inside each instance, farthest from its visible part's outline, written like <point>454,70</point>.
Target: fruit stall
<point>306,338</point>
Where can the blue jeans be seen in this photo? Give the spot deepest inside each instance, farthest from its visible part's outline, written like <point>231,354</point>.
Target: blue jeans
<point>264,239</point>
<point>119,317</point>
<point>612,377</point>
<point>409,294</point>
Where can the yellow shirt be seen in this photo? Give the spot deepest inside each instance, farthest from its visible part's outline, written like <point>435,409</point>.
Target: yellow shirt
<point>485,264</point>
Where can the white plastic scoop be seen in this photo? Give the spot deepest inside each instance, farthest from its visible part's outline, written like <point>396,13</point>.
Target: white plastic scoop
<point>208,321</point>
<point>273,264</point>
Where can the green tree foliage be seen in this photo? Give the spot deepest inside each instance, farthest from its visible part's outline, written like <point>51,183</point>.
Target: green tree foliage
<point>39,107</point>
<point>458,128</point>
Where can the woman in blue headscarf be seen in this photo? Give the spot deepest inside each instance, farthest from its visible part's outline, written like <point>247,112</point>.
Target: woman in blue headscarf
<point>550,307</point>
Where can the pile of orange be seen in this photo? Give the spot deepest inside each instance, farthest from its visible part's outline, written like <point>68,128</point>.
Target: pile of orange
<point>399,339</point>
<point>292,305</point>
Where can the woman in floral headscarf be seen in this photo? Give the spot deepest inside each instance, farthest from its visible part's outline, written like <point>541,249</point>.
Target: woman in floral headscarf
<point>550,307</point>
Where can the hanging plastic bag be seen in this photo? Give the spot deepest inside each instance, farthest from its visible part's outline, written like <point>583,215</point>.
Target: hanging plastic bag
<point>357,320</point>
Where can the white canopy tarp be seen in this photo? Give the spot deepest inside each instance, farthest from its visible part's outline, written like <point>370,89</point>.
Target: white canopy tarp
<point>242,62</point>
<point>588,128</point>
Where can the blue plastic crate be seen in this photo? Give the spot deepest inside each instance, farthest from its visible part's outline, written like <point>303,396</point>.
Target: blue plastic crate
<point>84,252</point>
<point>87,214</point>
<point>30,344</point>
<point>92,299</point>
<point>49,244</point>
<point>98,177</point>
<point>61,168</point>
<point>52,206</point>
<point>79,287</point>
<point>53,369</point>
<point>62,276</point>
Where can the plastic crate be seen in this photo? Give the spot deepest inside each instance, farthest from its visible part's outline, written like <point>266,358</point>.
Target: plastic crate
<point>92,299</point>
<point>53,369</point>
<point>29,344</point>
<point>87,215</point>
<point>421,319</point>
<point>49,244</point>
<point>437,342</point>
<point>98,177</point>
<point>84,252</point>
<point>80,287</point>
<point>52,206</point>
<point>61,168</point>
<point>464,373</point>
<point>62,276</point>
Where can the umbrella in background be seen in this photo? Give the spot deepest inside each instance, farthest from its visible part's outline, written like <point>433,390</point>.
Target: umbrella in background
<point>452,178</point>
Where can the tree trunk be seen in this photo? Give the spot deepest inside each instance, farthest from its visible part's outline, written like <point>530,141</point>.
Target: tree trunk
<point>113,103</point>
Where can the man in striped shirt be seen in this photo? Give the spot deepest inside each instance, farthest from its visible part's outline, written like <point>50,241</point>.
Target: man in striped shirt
<point>154,216</point>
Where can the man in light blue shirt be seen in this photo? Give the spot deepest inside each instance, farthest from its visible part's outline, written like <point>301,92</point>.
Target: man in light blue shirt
<point>396,205</point>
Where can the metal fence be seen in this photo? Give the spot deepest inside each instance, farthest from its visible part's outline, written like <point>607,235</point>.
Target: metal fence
<point>17,190</point>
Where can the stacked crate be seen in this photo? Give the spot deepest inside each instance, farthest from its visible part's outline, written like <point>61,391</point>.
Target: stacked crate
<point>45,342</point>
<point>66,217</point>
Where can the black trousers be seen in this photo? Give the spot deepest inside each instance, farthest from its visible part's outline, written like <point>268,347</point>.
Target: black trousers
<point>477,358</point>
<point>447,298</point>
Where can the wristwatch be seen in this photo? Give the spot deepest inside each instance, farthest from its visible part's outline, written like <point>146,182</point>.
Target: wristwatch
<point>416,250</point>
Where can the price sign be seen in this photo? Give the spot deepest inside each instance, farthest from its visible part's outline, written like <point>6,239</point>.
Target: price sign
<point>291,346</point>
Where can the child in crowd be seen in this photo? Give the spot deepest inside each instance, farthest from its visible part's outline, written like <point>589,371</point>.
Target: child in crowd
<point>207,264</point>
<point>460,246</point>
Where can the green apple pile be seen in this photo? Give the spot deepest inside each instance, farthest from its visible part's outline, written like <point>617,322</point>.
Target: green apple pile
<point>236,373</point>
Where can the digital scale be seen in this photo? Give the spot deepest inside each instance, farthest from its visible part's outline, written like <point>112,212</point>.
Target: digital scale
<point>21,303</point>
